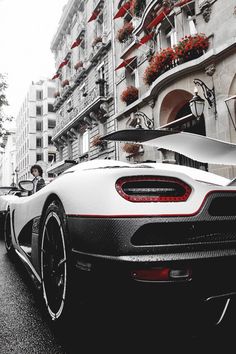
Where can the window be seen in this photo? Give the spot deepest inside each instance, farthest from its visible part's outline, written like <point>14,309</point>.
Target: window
<point>51,157</point>
<point>39,110</point>
<point>49,140</point>
<point>51,124</point>
<point>39,157</point>
<point>38,142</point>
<point>39,95</point>
<point>50,107</point>
<point>39,126</point>
<point>85,142</point>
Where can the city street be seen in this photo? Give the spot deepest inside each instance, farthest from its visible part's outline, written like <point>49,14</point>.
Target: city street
<point>24,328</point>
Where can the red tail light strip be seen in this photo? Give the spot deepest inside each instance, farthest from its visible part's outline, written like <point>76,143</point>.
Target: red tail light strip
<point>153,189</point>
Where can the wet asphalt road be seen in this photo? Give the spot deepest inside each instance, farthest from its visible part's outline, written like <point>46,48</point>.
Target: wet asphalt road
<point>24,329</point>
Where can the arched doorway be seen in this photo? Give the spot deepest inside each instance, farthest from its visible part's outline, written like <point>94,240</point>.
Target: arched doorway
<point>175,111</point>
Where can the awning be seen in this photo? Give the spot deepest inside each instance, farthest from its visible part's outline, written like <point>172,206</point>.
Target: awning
<point>61,166</point>
<point>55,76</point>
<point>122,10</point>
<point>76,43</point>
<point>160,16</point>
<point>94,15</point>
<point>125,63</point>
<point>145,39</point>
<point>181,2</point>
<point>63,63</point>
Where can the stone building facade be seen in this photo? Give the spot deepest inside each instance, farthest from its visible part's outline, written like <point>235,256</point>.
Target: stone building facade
<point>122,64</point>
<point>34,129</point>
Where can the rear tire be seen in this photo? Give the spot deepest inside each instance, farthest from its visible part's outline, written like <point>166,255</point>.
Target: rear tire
<point>55,263</point>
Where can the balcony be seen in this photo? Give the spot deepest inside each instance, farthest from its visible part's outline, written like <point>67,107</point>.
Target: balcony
<point>92,106</point>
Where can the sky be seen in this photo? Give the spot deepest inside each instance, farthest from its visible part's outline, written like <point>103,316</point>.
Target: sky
<point>27,28</point>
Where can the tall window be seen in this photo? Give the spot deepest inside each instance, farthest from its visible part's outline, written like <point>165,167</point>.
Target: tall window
<point>50,107</point>
<point>39,110</point>
<point>39,126</point>
<point>38,142</point>
<point>39,95</point>
<point>51,124</point>
<point>39,157</point>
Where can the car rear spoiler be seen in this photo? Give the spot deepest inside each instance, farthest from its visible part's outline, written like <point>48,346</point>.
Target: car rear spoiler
<point>194,146</point>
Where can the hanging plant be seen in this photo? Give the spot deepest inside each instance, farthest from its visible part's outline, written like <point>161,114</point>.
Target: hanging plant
<point>125,32</point>
<point>131,148</point>
<point>129,95</point>
<point>98,142</point>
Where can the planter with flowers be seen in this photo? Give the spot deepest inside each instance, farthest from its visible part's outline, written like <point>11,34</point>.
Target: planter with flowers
<point>78,65</point>
<point>65,83</point>
<point>125,32</point>
<point>57,94</point>
<point>102,144</point>
<point>97,40</point>
<point>129,95</point>
<point>160,63</point>
<point>191,47</point>
<point>131,148</point>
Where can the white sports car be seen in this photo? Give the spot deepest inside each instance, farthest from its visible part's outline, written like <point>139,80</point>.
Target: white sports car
<point>161,234</point>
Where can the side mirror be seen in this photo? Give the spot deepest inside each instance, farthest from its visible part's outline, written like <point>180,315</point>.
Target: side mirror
<point>26,185</point>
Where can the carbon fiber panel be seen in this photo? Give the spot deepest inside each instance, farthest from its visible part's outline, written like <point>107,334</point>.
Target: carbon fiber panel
<point>124,236</point>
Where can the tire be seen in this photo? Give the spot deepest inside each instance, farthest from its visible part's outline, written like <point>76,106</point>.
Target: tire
<point>7,235</point>
<point>55,268</point>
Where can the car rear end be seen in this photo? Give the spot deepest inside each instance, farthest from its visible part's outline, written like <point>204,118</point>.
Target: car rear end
<point>158,239</point>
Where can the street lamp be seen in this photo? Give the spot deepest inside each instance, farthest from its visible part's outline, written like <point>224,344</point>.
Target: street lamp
<point>146,120</point>
<point>197,103</point>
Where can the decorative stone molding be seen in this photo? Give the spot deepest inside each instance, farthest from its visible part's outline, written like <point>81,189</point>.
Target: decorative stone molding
<point>210,70</point>
<point>205,8</point>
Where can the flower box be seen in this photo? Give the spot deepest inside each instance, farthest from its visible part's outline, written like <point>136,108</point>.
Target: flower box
<point>131,148</point>
<point>125,32</point>
<point>96,41</point>
<point>65,83</point>
<point>98,142</point>
<point>191,47</point>
<point>78,65</point>
<point>129,95</point>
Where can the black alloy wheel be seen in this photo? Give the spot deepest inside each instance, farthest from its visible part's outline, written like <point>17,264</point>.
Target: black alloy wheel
<point>54,252</point>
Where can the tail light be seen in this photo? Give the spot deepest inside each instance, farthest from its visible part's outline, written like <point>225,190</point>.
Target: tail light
<point>153,189</point>
<point>162,274</point>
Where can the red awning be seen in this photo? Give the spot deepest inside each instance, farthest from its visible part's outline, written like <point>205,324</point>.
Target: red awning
<point>125,63</point>
<point>76,43</point>
<point>55,76</point>
<point>145,39</point>
<point>181,2</point>
<point>122,10</point>
<point>161,15</point>
<point>65,62</point>
<point>94,15</point>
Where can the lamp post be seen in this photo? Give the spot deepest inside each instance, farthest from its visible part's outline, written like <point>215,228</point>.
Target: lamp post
<point>197,103</point>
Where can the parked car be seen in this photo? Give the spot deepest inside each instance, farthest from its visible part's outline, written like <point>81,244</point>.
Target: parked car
<point>153,234</point>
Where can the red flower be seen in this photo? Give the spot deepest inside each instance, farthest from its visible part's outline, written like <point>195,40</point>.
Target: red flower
<point>129,95</point>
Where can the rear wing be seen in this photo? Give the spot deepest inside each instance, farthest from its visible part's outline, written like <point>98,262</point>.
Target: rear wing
<point>196,147</point>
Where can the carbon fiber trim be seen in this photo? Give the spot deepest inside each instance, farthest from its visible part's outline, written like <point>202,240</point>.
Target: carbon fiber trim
<point>115,236</point>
